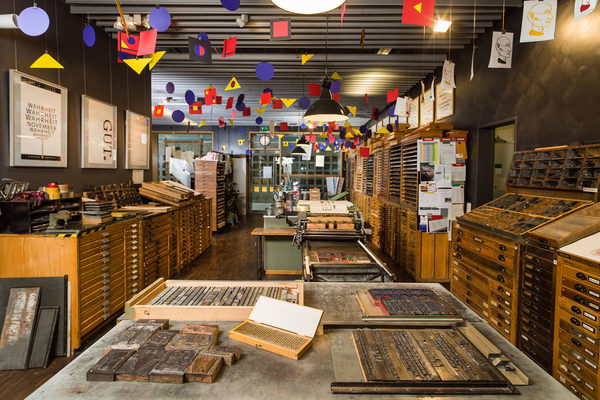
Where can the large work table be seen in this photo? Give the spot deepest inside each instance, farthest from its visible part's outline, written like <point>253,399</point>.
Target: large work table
<point>260,374</point>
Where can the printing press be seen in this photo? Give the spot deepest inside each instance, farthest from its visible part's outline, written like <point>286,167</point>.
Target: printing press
<point>332,235</point>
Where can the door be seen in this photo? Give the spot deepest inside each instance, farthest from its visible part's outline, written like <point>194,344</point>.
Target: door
<point>504,147</point>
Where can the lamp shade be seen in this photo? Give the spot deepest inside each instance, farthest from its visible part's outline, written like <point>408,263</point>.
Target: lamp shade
<point>298,151</point>
<point>308,6</point>
<point>302,142</point>
<point>325,109</point>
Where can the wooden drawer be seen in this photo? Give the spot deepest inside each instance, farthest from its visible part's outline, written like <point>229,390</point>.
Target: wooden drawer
<point>579,377</point>
<point>541,354</point>
<point>502,328</point>
<point>497,272</point>
<point>584,313</point>
<point>470,297</point>
<point>496,243</point>
<point>538,275</point>
<point>577,339</point>
<point>110,261</point>
<point>101,255</point>
<point>541,252</point>
<point>586,291</point>
<point>576,321</point>
<point>575,358</point>
<point>98,283</point>
<point>468,274</point>
<point>540,315</point>
<point>579,298</point>
<point>97,243</point>
<point>496,256</point>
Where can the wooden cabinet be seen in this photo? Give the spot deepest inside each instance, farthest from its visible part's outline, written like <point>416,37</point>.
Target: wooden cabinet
<point>210,181</point>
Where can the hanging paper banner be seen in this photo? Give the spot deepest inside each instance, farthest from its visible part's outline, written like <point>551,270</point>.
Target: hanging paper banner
<point>584,7</point>
<point>502,46</point>
<point>418,12</point>
<point>539,20</point>
<point>199,50</point>
<point>432,90</point>
<point>403,107</point>
<point>448,75</point>
<point>306,57</point>
<point>159,111</point>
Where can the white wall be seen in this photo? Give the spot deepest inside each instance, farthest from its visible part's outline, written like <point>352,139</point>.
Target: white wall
<point>239,177</point>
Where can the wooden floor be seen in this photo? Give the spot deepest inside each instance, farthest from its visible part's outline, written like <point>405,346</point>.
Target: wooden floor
<point>232,256</point>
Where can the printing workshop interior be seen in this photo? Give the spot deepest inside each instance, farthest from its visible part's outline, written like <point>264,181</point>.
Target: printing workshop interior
<point>316,199</point>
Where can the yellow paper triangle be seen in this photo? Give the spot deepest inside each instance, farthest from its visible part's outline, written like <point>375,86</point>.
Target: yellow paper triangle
<point>223,148</point>
<point>320,123</point>
<point>46,61</point>
<point>286,144</point>
<point>327,148</point>
<point>350,134</point>
<point>383,129</point>
<point>124,45</point>
<point>352,110</point>
<point>418,7</point>
<point>202,123</point>
<point>280,136</point>
<point>154,57</point>
<point>288,102</point>
<point>210,87</point>
<point>231,122</point>
<point>241,142</point>
<point>306,57</point>
<point>260,110</point>
<point>347,124</point>
<point>233,84</point>
<point>323,135</point>
<point>336,76</point>
<point>137,64</point>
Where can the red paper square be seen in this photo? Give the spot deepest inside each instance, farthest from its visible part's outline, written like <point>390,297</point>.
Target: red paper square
<point>221,122</point>
<point>265,98</point>
<point>233,114</point>
<point>229,103</point>
<point>127,46</point>
<point>229,46</point>
<point>314,89</point>
<point>277,104</point>
<point>196,108</point>
<point>219,100</point>
<point>281,29</point>
<point>336,97</point>
<point>366,99</point>
<point>364,151</point>
<point>209,96</point>
<point>418,12</point>
<point>147,42</point>
<point>283,126</point>
<point>159,111</point>
<point>247,112</point>
<point>392,95</point>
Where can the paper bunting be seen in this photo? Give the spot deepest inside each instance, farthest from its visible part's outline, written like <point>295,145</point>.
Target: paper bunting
<point>342,14</point>
<point>89,36</point>
<point>159,111</point>
<point>447,75</point>
<point>138,64</point>
<point>229,103</point>
<point>47,61</point>
<point>260,110</point>
<point>33,21</point>
<point>335,87</point>
<point>159,19</point>
<point>258,120</point>
<point>231,123</point>
<point>265,71</point>
<point>306,57</point>
<point>199,50</point>
<point>336,77</point>
<point>402,108</point>
<point>392,95</point>
<point>247,112</point>
<point>280,136</point>
<point>265,98</point>
<point>221,122</point>
<point>218,100</point>
<point>154,58</point>
<point>231,5</point>
<point>203,36</point>
<point>281,29</point>
<point>223,147</point>
<point>202,123</point>
<point>229,46</point>
<point>304,103</point>
<point>418,12</point>
<point>277,104</point>
<point>170,87</point>
<point>209,96</point>
<point>383,129</point>
<point>314,89</point>
<point>190,97</point>
<point>347,124</point>
<point>233,84</point>
<point>241,142</point>
<point>584,7</point>
<point>283,126</point>
<point>288,102</point>
<point>196,108</point>
<point>352,110</point>
<point>327,148</point>
<point>127,46</point>
<point>233,114</point>
<point>501,53</point>
<point>285,144</point>
<point>147,42</point>
<point>178,116</point>
<point>539,20</point>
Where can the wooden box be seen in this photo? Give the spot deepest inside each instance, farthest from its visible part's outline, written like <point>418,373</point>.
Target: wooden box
<point>149,302</point>
<point>279,327</point>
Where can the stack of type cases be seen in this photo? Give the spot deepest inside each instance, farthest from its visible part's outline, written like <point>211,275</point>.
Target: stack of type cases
<point>133,266</point>
<point>157,239</point>
<point>395,172</point>
<point>410,173</point>
<point>210,181</point>
<point>186,233</point>
<point>382,173</point>
<point>368,171</point>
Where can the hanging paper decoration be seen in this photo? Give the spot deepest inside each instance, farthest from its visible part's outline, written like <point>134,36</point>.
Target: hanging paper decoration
<point>265,98</point>
<point>366,98</point>
<point>432,90</point>
<point>260,110</point>
<point>281,29</point>
<point>285,144</point>
<point>288,102</point>
<point>199,50</point>
<point>502,47</point>
<point>202,123</point>
<point>46,61</point>
<point>336,76</point>
<point>362,38</point>
<point>241,142</point>
<point>390,128</point>
<point>147,43</point>
<point>221,123</point>
<point>155,57</point>
<point>402,108</point>
<point>178,116</point>
<point>231,5</point>
<point>584,7</point>
<point>196,108</point>
<point>89,36</point>
<point>170,87</point>
<point>277,104</point>
<point>127,46</point>
<point>314,89</point>
<point>241,98</point>
<point>229,46</point>
<point>447,75</point>
<point>190,98</point>
<point>265,90</point>
<point>304,103</point>
<point>160,19</point>
<point>210,96</point>
<point>203,36</point>
<point>418,12</point>
<point>335,87</point>
<point>233,114</point>
<point>265,71</point>
<point>218,100</point>
<point>258,120</point>
<point>33,21</point>
<point>539,20</point>
<point>240,106</point>
<point>230,123</point>
<point>233,84</point>
<point>137,64</point>
<point>352,110</point>
<point>283,126</point>
<point>247,112</point>
<point>342,15</point>
<point>159,111</point>
<point>392,95</point>
<point>336,97</point>
<point>390,111</point>
<point>229,103</point>
<point>306,57</point>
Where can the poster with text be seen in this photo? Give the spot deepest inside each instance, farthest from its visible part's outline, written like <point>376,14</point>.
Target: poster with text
<point>502,50</point>
<point>539,20</point>
<point>584,7</point>
<point>137,141</point>
<point>98,134</point>
<point>448,74</point>
<point>444,103</point>
<point>38,122</point>
<point>427,109</point>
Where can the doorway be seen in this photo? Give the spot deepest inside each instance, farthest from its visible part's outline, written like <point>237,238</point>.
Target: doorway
<point>504,147</point>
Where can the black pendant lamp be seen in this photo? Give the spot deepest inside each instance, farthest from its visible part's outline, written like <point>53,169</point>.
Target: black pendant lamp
<point>298,151</point>
<point>325,109</point>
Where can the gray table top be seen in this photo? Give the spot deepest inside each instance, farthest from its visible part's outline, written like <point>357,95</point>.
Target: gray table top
<point>260,374</point>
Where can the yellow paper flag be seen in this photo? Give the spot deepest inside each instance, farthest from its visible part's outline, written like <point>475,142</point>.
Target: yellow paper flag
<point>280,136</point>
<point>231,122</point>
<point>233,84</point>
<point>288,102</point>
<point>336,76</point>
<point>347,124</point>
<point>352,110</point>
<point>223,148</point>
<point>137,64</point>
<point>46,61</point>
<point>241,142</point>
<point>327,148</point>
<point>306,57</point>
<point>285,144</point>
<point>202,123</point>
<point>383,129</point>
<point>154,57</point>
<point>260,110</point>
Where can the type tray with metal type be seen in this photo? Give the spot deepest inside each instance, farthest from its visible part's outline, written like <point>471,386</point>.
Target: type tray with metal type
<point>208,300</point>
<point>421,361</point>
<point>279,327</point>
<point>538,280</point>
<point>577,318</point>
<point>486,254</point>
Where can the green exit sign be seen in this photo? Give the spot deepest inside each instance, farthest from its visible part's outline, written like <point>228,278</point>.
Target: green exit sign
<point>264,129</point>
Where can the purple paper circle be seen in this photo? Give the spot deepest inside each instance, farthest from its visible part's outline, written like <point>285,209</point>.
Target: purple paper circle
<point>33,21</point>
<point>131,40</point>
<point>335,87</point>
<point>377,113</point>
<point>304,103</point>
<point>268,90</point>
<point>362,129</point>
<point>241,130</point>
<point>347,144</point>
<point>178,116</point>
<point>322,147</point>
<point>346,110</point>
<point>369,134</point>
<point>390,112</point>
<point>342,134</point>
<point>231,5</point>
<point>303,126</point>
<point>240,106</point>
<point>265,71</point>
<point>390,128</point>
<point>89,36</point>
<point>199,50</point>
<point>203,36</point>
<point>170,88</point>
<point>259,120</point>
<point>190,98</point>
<point>160,19</point>
<point>240,98</point>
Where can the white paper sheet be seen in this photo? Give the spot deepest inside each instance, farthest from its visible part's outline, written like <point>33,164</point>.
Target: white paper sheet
<point>283,315</point>
<point>447,153</point>
<point>428,199</point>
<point>267,172</point>
<point>319,161</point>
<point>438,225</point>
<point>456,210</point>
<point>539,20</point>
<point>459,172</point>
<point>443,176</point>
<point>458,194</point>
<point>444,197</point>
<point>448,75</point>
<point>584,7</point>
<point>502,49</point>
<point>588,247</point>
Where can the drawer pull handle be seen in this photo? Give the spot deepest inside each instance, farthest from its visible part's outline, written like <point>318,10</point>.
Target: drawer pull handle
<point>500,315</point>
<point>106,303</point>
<point>105,241</point>
<point>106,260</point>
<point>106,288</point>
<point>105,275</point>
<point>105,269</point>
<point>105,234</point>
<point>575,377</point>
<point>502,247</point>
<point>106,254</point>
<point>500,307</point>
<point>468,293</point>
<point>500,278</point>
<point>580,299</point>
<point>576,366</point>
<point>468,301</point>
<point>500,288</point>
<point>106,281</point>
<point>536,260</point>
<point>478,239</point>
<point>499,324</point>
<point>576,342</point>
<point>106,310</point>
<point>105,295</point>
<point>459,231</point>
<point>500,298</point>
<point>576,309</point>
<point>575,321</point>
<point>458,240</point>
<point>580,288</point>
<point>501,258</point>
<point>106,316</point>
<point>468,285</point>
<point>104,247</point>
<point>501,269</point>
<point>581,276</point>
<point>577,333</point>
<point>576,355</point>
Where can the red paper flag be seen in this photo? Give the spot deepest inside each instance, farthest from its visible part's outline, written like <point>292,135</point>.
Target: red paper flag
<point>221,122</point>
<point>312,138</point>
<point>392,95</point>
<point>283,126</point>
<point>332,139</point>
<point>315,147</point>
<point>159,111</point>
<point>314,89</point>
<point>233,114</point>
<point>209,96</point>
<point>277,104</point>
<point>229,46</point>
<point>336,97</point>
<point>418,12</point>
<point>330,129</point>
<point>366,99</point>
<point>343,12</point>
<point>219,100</point>
<point>147,42</point>
<point>229,103</point>
<point>127,46</point>
<point>281,29</point>
<point>265,98</point>
<point>365,152</point>
<point>247,112</point>
<point>196,108</point>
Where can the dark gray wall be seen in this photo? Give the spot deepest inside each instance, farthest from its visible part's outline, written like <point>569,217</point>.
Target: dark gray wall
<point>92,71</point>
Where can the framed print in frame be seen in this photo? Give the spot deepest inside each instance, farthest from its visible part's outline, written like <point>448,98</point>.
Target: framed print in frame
<point>427,109</point>
<point>415,109</point>
<point>137,141</point>
<point>37,122</point>
<point>444,102</point>
<point>98,134</point>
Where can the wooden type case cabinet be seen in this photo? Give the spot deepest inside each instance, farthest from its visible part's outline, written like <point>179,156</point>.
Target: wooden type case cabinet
<point>210,181</point>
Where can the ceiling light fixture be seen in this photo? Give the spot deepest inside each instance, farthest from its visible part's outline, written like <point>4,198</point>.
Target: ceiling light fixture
<point>242,20</point>
<point>302,141</point>
<point>442,26</point>
<point>384,52</point>
<point>308,6</point>
<point>298,151</point>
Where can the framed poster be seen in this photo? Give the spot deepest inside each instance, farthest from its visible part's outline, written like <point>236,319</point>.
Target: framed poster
<point>98,134</point>
<point>137,141</point>
<point>414,117</point>
<point>37,122</point>
<point>426,109</point>
<point>444,102</point>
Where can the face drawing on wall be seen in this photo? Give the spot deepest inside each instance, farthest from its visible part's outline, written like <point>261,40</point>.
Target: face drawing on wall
<point>540,16</point>
<point>504,48</point>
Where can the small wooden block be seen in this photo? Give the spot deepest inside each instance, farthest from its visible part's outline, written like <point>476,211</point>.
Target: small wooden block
<point>139,365</point>
<point>163,323</point>
<point>171,368</point>
<point>141,333</point>
<point>201,329</point>
<point>229,354</point>
<point>159,339</point>
<point>191,341</point>
<point>204,368</point>
<point>104,369</point>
